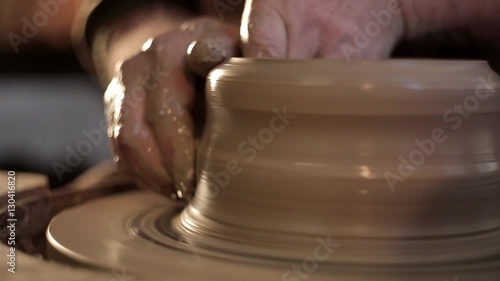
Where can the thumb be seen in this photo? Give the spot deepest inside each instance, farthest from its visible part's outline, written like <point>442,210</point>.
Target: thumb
<point>211,49</point>
<point>263,32</point>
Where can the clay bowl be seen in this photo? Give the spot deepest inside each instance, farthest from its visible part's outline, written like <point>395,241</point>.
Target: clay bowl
<point>395,163</point>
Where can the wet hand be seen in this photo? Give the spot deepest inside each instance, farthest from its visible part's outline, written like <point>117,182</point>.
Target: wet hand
<point>149,105</point>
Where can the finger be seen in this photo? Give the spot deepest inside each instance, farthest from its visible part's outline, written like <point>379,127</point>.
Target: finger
<point>138,141</point>
<point>214,44</point>
<point>112,99</point>
<point>133,137</point>
<point>150,180</point>
<point>206,53</point>
<point>139,182</point>
<point>344,42</point>
<point>170,98</point>
<point>263,32</point>
<point>128,165</point>
<point>353,34</point>
<point>170,102</point>
<point>302,21</point>
<point>213,47</point>
<point>131,167</point>
<point>196,28</point>
<point>380,49</point>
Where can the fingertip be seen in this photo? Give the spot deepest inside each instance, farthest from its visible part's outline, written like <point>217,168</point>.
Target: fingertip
<point>263,35</point>
<point>205,54</point>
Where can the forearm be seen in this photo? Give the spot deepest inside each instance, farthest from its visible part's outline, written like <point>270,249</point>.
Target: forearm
<point>126,38</point>
<point>114,34</point>
<point>478,18</point>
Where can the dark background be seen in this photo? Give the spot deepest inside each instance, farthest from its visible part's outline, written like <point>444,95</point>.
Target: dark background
<point>47,101</point>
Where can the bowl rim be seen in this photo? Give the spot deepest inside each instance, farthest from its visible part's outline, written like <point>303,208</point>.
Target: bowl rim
<point>385,87</point>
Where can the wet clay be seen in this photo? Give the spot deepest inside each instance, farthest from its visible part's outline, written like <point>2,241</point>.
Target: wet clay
<point>363,171</point>
<point>370,151</point>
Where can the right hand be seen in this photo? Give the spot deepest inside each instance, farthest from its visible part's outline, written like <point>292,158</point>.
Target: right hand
<point>150,101</point>
<point>335,29</point>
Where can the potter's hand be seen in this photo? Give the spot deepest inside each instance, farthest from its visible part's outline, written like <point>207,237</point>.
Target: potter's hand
<point>149,103</point>
<point>340,29</point>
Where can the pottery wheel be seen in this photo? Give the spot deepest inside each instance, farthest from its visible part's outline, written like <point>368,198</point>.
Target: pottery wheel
<point>311,200</point>
<point>133,232</point>
<point>136,231</point>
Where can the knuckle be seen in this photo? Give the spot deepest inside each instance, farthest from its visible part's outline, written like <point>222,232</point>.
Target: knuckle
<point>170,40</point>
<point>200,25</point>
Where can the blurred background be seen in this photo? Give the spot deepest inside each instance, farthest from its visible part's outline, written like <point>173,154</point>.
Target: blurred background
<point>50,109</point>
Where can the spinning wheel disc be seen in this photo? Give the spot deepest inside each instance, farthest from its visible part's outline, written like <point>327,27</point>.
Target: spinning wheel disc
<point>109,233</point>
<point>136,232</point>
